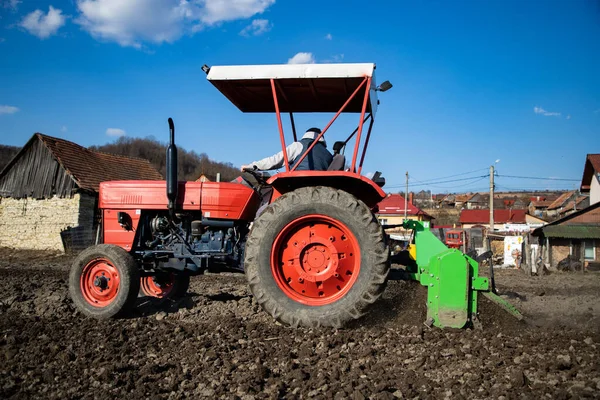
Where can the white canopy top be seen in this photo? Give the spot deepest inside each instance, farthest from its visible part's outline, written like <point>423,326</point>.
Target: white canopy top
<point>300,87</point>
<point>290,71</point>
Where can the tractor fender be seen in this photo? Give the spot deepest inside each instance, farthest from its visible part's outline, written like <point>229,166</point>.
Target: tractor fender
<point>357,185</point>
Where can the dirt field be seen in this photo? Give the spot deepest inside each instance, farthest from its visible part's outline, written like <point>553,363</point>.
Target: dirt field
<point>217,343</point>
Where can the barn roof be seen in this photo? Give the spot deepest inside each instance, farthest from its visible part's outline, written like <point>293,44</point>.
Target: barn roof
<point>85,167</point>
<point>89,168</point>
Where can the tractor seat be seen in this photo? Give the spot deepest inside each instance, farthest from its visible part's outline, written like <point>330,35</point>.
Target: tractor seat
<point>339,160</point>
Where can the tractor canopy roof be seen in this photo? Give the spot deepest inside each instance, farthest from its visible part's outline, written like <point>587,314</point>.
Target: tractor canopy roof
<point>300,87</point>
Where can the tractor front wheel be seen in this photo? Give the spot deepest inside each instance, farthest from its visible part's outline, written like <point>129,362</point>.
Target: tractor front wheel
<point>316,257</point>
<point>104,281</point>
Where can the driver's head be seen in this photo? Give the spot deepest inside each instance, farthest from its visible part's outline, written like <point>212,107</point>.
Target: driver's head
<point>312,133</point>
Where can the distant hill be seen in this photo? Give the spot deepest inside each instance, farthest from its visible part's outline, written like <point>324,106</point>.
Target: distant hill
<point>6,154</point>
<point>191,164</point>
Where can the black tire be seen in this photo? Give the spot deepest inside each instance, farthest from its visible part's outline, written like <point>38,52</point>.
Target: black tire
<point>357,218</point>
<point>181,284</point>
<point>126,290</point>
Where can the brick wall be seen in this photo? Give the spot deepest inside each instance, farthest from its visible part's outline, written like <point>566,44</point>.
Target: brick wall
<point>36,224</point>
<point>561,248</point>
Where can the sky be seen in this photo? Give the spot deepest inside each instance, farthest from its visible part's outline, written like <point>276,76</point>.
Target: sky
<point>515,84</point>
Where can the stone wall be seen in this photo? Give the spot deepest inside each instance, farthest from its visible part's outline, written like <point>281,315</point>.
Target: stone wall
<point>37,224</point>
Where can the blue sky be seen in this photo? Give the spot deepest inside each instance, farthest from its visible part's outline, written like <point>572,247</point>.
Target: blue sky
<point>474,82</point>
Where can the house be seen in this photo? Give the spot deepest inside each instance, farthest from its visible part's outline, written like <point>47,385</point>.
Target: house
<point>576,235</point>
<point>566,203</point>
<point>391,212</point>
<point>478,201</point>
<point>461,199</point>
<point>472,218</point>
<point>204,178</point>
<point>539,207</point>
<point>51,185</point>
<point>590,183</point>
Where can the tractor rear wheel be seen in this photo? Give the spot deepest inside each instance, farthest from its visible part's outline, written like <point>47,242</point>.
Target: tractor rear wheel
<point>104,281</point>
<point>167,286</point>
<point>317,256</point>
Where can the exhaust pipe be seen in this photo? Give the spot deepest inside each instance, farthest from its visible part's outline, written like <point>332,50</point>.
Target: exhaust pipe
<point>172,171</point>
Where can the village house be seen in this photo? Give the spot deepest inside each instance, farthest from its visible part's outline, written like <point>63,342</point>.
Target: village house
<point>516,219</point>
<point>590,183</point>
<point>51,186</point>
<point>538,206</point>
<point>567,202</point>
<point>576,235</point>
<point>391,212</point>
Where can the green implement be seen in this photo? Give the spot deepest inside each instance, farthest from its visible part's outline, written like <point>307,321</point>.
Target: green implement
<point>452,280</point>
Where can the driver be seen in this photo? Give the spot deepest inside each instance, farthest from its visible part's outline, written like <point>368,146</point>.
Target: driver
<point>318,159</point>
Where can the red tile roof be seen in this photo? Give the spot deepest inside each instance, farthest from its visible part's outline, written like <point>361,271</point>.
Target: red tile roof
<point>393,204</point>
<point>89,168</point>
<point>571,204</point>
<point>500,216</point>
<point>562,199</point>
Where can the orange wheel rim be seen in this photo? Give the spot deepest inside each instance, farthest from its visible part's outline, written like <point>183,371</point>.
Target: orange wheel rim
<point>99,282</point>
<point>153,287</point>
<point>315,260</point>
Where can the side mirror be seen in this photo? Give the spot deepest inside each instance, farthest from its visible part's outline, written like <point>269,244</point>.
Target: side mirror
<point>384,87</point>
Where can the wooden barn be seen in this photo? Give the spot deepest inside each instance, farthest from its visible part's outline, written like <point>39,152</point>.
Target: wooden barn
<point>51,187</point>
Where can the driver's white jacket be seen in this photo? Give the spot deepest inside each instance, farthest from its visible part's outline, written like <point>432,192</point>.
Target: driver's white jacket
<point>293,151</point>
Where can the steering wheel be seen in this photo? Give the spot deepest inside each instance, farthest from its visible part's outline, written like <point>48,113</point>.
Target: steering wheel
<point>260,176</point>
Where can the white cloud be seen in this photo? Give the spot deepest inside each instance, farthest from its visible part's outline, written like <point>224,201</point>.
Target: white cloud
<point>134,22</point>
<point>568,116</point>
<point>115,132</point>
<point>541,111</point>
<point>215,11</point>
<point>302,58</point>
<point>257,27</point>
<point>328,36</point>
<point>11,4</point>
<point>336,58</point>
<point>8,109</point>
<point>63,128</point>
<point>43,25</point>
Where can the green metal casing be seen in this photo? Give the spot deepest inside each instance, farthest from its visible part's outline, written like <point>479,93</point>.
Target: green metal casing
<point>450,276</point>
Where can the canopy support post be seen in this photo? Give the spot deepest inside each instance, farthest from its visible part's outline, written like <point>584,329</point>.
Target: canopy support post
<point>360,125</point>
<point>366,80</point>
<point>285,157</point>
<point>364,152</point>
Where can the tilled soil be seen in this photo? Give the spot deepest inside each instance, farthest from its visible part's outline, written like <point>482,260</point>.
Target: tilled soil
<point>218,343</point>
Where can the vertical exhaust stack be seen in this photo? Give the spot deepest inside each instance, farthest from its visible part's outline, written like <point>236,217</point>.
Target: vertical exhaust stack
<point>172,170</point>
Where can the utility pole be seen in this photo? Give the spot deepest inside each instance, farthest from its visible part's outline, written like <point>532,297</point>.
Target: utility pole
<point>406,198</point>
<point>491,199</point>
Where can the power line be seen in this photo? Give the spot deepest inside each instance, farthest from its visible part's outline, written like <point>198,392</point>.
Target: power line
<point>449,181</point>
<point>450,176</point>
<point>538,178</point>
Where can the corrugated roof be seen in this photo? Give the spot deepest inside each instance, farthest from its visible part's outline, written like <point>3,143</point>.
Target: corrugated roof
<point>572,231</point>
<point>89,168</point>
<point>500,216</point>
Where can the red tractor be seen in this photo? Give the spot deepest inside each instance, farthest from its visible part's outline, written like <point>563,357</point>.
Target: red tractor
<point>314,256</point>
<point>457,239</point>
